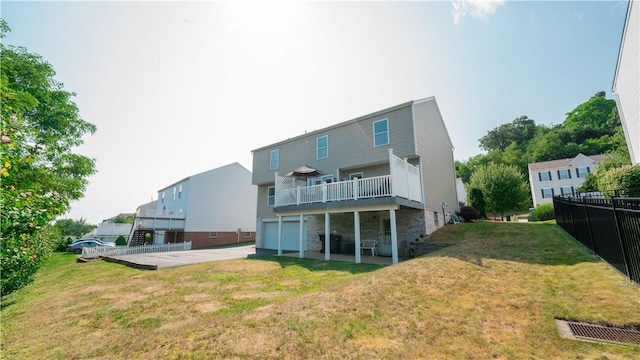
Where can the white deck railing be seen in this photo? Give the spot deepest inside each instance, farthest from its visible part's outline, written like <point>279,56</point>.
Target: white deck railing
<point>403,181</point>
<point>92,253</point>
<point>374,187</point>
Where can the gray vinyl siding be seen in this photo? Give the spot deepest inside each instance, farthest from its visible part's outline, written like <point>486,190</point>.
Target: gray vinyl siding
<point>263,210</point>
<point>436,152</point>
<point>627,81</point>
<point>367,171</point>
<point>350,146</point>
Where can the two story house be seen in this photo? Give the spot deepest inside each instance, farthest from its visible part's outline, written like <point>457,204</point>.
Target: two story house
<point>559,177</point>
<point>387,176</point>
<point>216,207</point>
<point>626,83</point>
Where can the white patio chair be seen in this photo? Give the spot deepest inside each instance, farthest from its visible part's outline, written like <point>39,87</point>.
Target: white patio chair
<point>368,245</point>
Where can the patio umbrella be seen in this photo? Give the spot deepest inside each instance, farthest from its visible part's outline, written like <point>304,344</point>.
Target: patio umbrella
<point>304,172</point>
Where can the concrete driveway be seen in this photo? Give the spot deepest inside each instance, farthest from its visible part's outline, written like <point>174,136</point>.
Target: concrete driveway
<point>155,261</point>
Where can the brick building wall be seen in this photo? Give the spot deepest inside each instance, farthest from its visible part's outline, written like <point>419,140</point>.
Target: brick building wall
<point>201,240</point>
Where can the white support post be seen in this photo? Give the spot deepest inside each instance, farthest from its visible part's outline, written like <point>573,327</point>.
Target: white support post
<point>275,189</point>
<point>279,235</point>
<point>394,236</point>
<point>356,224</point>
<point>327,237</point>
<point>392,173</point>
<point>421,181</point>
<point>356,188</point>
<point>406,174</point>
<point>298,195</point>
<point>325,190</point>
<point>300,249</point>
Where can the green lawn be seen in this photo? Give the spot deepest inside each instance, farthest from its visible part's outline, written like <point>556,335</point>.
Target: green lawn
<point>494,294</point>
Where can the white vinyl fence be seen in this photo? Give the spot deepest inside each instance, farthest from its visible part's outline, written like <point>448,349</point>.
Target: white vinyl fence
<point>92,253</point>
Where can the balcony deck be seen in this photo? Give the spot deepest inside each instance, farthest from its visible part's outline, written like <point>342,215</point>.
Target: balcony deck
<point>403,182</point>
<point>153,219</point>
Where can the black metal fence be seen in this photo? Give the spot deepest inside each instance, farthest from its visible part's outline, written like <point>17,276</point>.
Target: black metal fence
<point>609,227</point>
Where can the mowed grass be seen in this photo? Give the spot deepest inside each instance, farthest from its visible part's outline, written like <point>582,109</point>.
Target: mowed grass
<point>494,294</point>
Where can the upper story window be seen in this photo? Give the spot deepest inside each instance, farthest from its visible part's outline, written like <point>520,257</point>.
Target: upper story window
<point>274,159</point>
<point>162,202</point>
<point>564,174</point>
<point>322,147</point>
<point>180,192</point>
<point>547,193</point>
<point>271,195</point>
<point>174,194</point>
<point>544,176</point>
<point>582,171</point>
<point>381,132</point>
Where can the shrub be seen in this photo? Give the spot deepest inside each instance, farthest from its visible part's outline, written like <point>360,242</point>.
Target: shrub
<point>22,255</point>
<point>544,212</point>
<point>469,213</point>
<point>626,178</point>
<point>121,240</point>
<point>61,245</point>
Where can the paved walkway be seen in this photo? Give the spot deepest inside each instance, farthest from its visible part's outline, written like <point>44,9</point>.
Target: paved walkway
<point>155,261</point>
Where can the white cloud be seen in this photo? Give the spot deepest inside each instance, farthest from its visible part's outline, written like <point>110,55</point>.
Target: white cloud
<point>477,8</point>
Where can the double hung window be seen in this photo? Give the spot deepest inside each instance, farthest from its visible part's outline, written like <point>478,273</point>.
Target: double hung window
<point>564,174</point>
<point>582,171</point>
<point>547,193</point>
<point>274,159</point>
<point>567,191</point>
<point>381,132</point>
<point>544,176</point>
<point>271,195</point>
<point>322,147</point>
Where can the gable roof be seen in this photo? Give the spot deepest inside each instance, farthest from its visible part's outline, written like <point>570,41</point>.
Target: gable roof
<point>234,164</point>
<point>563,163</point>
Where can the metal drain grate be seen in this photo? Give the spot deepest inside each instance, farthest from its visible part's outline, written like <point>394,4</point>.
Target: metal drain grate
<point>597,333</point>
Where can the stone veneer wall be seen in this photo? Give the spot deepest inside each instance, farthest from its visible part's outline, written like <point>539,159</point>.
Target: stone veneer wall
<point>410,225</point>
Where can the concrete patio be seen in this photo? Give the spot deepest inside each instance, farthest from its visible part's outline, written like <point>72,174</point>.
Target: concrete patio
<point>367,259</point>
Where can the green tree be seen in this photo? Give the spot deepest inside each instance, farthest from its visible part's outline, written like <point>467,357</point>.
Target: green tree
<point>40,173</point>
<point>476,199</point>
<point>125,218</point>
<point>596,114</point>
<point>73,228</point>
<point>624,179</point>
<point>519,131</point>
<point>464,169</point>
<point>503,188</point>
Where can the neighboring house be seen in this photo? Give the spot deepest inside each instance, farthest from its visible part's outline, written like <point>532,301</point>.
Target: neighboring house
<point>559,177</point>
<point>216,207</point>
<point>110,231</point>
<point>626,83</point>
<point>387,176</point>
<point>461,191</point>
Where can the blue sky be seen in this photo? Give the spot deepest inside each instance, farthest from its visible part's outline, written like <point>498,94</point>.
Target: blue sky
<point>177,88</point>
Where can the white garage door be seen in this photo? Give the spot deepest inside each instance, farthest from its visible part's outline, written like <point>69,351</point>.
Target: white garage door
<point>290,236</point>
